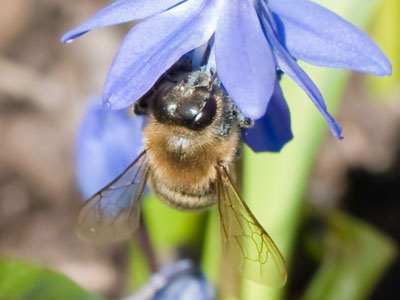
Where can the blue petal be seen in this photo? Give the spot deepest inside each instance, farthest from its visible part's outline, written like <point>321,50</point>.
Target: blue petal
<point>184,284</point>
<point>118,12</point>
<point>289,66</point>
<point>154,45</point>
<point>243,57</point>
<point>186,287</point>
<point>107,142</point>
<point>318,36</point>
<point>272,131</point>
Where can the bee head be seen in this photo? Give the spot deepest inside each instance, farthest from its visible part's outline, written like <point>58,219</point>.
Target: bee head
<point>190,103</point>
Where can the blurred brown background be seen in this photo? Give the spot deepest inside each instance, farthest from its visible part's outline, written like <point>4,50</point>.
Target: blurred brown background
<point>43,87</point>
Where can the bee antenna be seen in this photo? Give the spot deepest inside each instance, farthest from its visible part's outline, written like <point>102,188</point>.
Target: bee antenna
<point>214,77</point>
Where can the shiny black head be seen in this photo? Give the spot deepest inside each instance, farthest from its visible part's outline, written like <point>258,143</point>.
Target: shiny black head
<point>185,105</point>
<point>190,103</point>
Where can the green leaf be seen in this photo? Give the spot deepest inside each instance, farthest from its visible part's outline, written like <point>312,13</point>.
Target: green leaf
<point>212,247</point>
<point>139,268</point>
<point>169,227</point>
<point>385,31</point>
<point>25,281</point>
<point>355,258</point>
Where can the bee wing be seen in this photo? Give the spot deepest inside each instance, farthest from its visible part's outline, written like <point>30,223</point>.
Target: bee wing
<point>112,214</point>
<point>242,233</point>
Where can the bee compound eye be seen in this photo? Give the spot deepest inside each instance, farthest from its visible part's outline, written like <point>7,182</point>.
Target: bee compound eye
<point>140,107</point>
<point>206,115</point>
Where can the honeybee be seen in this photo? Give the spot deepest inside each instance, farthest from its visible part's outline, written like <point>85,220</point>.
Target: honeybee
<point>191,140</point>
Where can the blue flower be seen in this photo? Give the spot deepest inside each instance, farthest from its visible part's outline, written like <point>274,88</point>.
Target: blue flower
<point>272,131</point>
<point>107,142</point>
<point>180,281</point>
<point>250,40</point>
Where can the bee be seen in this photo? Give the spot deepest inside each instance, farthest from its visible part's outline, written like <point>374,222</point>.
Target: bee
<point>191,140</point>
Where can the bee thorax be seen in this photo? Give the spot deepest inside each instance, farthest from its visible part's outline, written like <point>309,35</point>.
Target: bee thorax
<point>181,161</point>
<point>180,145</point>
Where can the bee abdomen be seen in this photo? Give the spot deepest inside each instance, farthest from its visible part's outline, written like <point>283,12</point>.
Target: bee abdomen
<point>181,198</point>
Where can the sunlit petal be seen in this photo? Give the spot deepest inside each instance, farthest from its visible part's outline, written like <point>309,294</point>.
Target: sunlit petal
<point>244,60</point>
<point>289,66</point>
<point>118,12</point>
<point>154,45</point>
<point>318,36</point>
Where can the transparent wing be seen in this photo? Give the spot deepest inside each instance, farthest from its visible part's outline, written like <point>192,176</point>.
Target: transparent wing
<point>112,214</point>
<point>241,232</point>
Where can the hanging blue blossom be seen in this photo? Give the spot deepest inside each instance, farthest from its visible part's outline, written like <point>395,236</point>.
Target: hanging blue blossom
<point>107,142</point>
<point>179,281</point>
<point>272,131</point>
<point>250,40</point>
